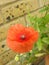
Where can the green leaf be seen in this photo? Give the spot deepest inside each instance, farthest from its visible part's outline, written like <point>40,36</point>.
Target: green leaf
<point>46,18</point>
<point>46,8</point>
<point>43,23</point>
<point>39,54</point>
<point>46,40</point>
<point>43,29</point>
<point>31,18</point>
<point>42,10</point>
<point>44,35</point>
<point>39,44</point>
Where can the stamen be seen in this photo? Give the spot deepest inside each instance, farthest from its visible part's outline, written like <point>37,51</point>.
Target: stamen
<point>23,37</point>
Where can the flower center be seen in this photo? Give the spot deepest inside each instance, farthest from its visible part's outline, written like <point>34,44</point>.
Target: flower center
<point>23,37</point>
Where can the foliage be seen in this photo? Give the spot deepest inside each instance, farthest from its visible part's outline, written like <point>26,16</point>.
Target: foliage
<point>41,24</point>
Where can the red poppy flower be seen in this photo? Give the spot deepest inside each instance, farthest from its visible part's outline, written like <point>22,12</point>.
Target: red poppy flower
<point>21,39</point>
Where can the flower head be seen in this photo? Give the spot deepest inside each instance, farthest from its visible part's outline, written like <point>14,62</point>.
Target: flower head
<point>21,39</point>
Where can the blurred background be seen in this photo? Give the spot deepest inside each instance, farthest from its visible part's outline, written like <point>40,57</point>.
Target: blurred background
<point>12,12</point>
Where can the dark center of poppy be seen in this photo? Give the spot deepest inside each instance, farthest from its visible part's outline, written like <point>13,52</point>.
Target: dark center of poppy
<point>23,37</point>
